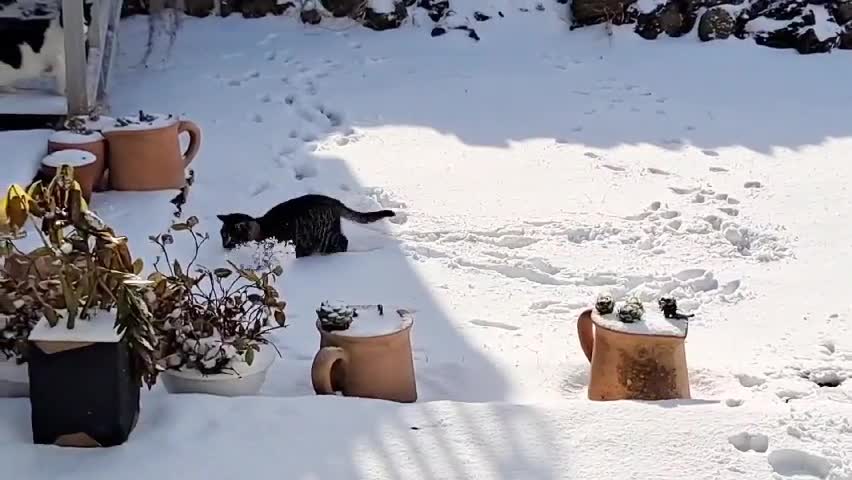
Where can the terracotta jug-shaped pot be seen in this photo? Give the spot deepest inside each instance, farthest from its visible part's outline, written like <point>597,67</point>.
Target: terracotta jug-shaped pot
<point>633,362</point>
<point>93,142</point>
<point>379,366</point>
<point>87,171</point>
<point>147,155</point>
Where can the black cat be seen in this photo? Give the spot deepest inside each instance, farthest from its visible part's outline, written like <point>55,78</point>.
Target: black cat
<point>310,222</point>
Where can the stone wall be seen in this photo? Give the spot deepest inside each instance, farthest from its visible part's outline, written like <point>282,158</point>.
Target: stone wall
<point>808,26</point>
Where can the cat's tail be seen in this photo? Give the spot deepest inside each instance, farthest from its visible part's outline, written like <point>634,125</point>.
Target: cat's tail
<point>365,217</point>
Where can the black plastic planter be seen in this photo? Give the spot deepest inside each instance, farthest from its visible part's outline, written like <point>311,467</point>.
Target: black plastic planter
<point>82,394</point>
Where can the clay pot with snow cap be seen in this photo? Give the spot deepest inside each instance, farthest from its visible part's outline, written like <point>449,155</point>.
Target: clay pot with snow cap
<point>90,141</point>
<point>87,170</point>
<point>366,355</point>
<point>634,355</point>
<point>145,152</point>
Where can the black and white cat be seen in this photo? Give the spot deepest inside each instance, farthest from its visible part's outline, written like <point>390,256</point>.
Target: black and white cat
<point>30,47</point>
<point>310,222</point>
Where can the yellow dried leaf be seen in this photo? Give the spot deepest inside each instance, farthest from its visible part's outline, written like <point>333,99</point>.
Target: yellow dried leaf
<point>15,207</point>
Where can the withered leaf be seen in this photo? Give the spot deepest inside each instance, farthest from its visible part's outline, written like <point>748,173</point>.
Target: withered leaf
<point>222,272</point>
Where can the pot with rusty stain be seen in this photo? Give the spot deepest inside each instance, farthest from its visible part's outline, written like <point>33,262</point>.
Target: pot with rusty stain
<point>634,361</point>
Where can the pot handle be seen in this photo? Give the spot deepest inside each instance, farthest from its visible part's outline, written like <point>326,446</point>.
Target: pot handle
<point>586,333</point>
<point>185,126</point>
<point>324,362</point>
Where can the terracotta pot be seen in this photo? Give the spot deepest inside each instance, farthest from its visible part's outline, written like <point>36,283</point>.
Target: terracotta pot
<point>379,367</point>
<point>87,172</point>
<point>630,365</point>
<point>94,143</point>
<point>147,156</point>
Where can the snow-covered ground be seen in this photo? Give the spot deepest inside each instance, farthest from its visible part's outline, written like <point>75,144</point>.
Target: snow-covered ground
<point>530,170</point>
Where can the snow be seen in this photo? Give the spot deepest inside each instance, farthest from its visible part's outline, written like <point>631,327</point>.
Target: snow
<point>382,6</point>
<point>12,372</point>
<point>648,6</point>
<point>825,27</point>
<point>529,171</point>
<point>652,323</point>
<point>32,102</point>
<point>157,121</point>
<point>369,323</point>
<point>72,138</point>
<point>98,328</point>
<point>71,157</point>
<point>24,151</point>
<point>765,24</point>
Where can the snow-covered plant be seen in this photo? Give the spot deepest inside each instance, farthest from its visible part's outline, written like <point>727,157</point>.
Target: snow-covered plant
<point>604,304</point>
<point>82,268</point>
<point>632,311</point>
<point>208,318</point>
<point>335,316</point>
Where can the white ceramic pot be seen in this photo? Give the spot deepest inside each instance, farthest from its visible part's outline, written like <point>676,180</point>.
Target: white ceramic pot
<point>14,379</point>
<point>246,381</point>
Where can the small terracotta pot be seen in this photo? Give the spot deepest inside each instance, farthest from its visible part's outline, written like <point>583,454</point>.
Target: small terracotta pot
<point>94,143</point>
<point>148,156</point>
<point>379,367</point>
<point>87,171</point>
<point>632,366</point>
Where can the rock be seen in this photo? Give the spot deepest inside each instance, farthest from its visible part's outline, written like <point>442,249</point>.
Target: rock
<point>199,8</point>
<point>715,23</point>
<point>438,31</point>
<point>228,7</point>
<point>808,42</point>
<point>385,21</point>
<point>344,8</point>
<point>311,16</point>
<point>593,12</point>
<point>480,17</point>
<point>668,19</point>
<point>798,32</point>
<point>437,9</point>
<point>130,8</point>
<point>845,38</point>
<point>471,33</point>
<point>841,10</point>
<point>262,8</point>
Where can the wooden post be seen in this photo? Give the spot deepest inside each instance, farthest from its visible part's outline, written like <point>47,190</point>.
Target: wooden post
<point>75,57</point>
<point>110,47</point>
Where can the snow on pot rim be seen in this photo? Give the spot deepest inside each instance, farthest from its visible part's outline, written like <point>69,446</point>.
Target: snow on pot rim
<point>98,328</point>
<point>67,137</point>
<point>239,368</point>
<point>158,121</point>
<point>368,324</point>
<point>96,124</point>
<point>71,157</point>
<point>652,323</point>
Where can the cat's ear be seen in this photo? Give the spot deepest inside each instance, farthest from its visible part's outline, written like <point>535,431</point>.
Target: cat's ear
<point>223,218</point>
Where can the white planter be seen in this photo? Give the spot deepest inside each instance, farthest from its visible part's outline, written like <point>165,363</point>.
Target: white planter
<point>14,379</point>
<point>247,380</point>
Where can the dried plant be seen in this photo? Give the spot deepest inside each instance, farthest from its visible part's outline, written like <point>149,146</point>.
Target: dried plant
<point>207,319</point>
<point>82,268</point>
